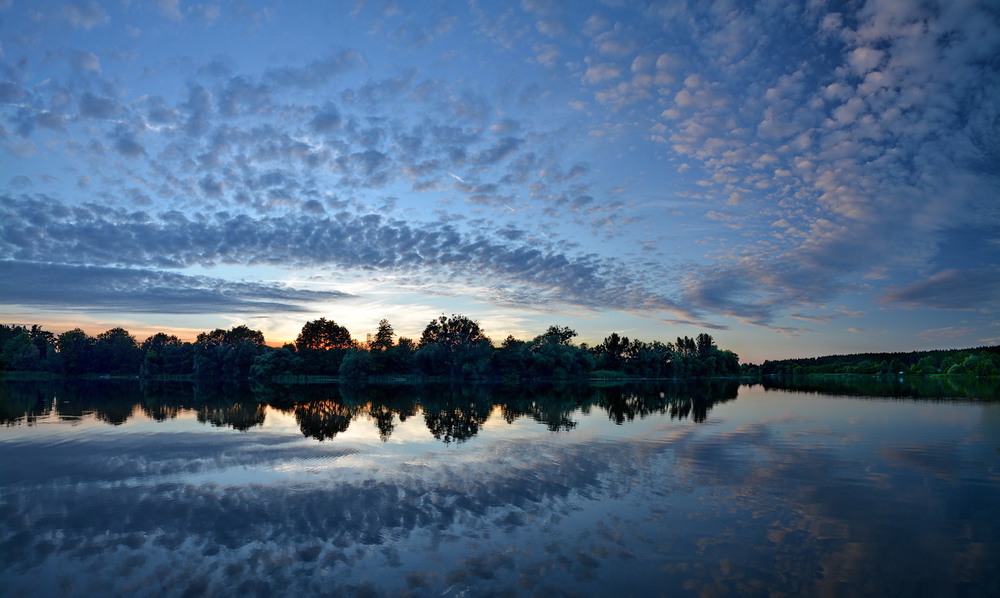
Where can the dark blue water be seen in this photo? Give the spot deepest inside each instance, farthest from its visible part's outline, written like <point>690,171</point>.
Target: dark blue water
<point>690,492</point>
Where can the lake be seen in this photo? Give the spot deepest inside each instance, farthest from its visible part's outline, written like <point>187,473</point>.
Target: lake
<point>112,488</point>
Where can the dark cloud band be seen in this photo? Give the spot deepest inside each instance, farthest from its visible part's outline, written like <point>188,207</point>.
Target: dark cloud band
<point>97,288</point>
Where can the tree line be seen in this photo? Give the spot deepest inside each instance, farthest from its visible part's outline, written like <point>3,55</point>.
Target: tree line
<point>980,361</point>
<point>454,347</point>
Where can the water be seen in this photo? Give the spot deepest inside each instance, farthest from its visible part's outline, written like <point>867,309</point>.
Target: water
<point>110,489</point>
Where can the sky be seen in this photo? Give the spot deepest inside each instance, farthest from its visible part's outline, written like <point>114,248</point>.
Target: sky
<point>794,178</point>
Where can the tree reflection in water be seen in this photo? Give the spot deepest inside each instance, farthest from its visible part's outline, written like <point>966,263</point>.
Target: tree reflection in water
<point>322,411</point>
<point>22,402</point>
<point>323,420</point>
<point>239,416</point>
<point>883,387</point>
<point>679,401</point>
<point>451,413</point>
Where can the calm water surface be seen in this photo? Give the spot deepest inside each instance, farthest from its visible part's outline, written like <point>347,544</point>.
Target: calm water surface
<point>112,489</point>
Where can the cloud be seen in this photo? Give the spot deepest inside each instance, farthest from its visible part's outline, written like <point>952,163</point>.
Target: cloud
<point>418,30</point>
<point>242,96</point>
<point>864,60</point>
<point>207,13</point>
<point>198,108</point>
<point>315,73</point>
<point>132,290</point>
<point>228,127</point>
<point>870,154</point>
<point>952,289</point>
<point>949,332</point>
<point>210,186</point>
<point>125,142</point>
<point>19,182</point>
<point>601,72</point>
<point>326,120</point>
<point>864,153</point>
<point>374,93</point>
<point>548,55</point>
<point>370,161</point>
<point>158,112</point>
<point>86,62</point>
<point>503,148</point>
<point>169,9</point>
<point>39,231</point>
<point>723,292</point>
<point>85,15</point>
<point>11,92</point>
<point>99,107</point>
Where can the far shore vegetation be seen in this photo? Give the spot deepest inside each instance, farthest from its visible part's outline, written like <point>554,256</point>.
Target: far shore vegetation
<point>450,348</point>
<point>979,362</point>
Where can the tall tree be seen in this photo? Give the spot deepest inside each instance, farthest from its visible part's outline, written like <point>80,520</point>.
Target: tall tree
<point>43,339</point>
<point>158,340</point>
<point>383,337</point>
<point>117,352</point>
<point>227,353</point>
<point>76,350</point>
<point>232,337</point>
<point>686,346</point>
<point>397,359</point>
<point>457,343</point>
<point>611,353</point>
<point>555,335</point>
<point>705,344</point>
<point>237,335</point>
<point>452,332</point>
<point>165,354</point>
<point>19,353</point>
<point>324,334</point>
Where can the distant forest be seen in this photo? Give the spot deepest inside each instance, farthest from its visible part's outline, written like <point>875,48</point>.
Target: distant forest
<point>450,347</point>
<point>979,361</point>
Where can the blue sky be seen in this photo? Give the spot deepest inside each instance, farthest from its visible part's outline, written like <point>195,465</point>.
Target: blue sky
<point>795,178</point>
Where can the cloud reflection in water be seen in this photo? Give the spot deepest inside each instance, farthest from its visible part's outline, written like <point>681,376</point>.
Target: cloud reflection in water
<point>741,504</point>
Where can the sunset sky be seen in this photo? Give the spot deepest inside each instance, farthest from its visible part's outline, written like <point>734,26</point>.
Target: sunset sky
<point>795,178</point>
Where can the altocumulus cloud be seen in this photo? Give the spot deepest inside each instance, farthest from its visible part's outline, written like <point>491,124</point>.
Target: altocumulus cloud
<point>864,159</point>
<point>99,288</point>
<point>806,154</point>
<point>38,231</point>
<point>952,289</point>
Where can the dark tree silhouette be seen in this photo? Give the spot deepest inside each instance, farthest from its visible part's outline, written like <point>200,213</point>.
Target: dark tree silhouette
<point>232,337</point>
<point>324,334</point>
<point>454,344</point>
<point>116,352</point>
<point>555,335</point>
<point>227,354</point>
<point>166,355</point>
<point>612,352</point>
<point>383,337</point>
<point>76,350</point>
